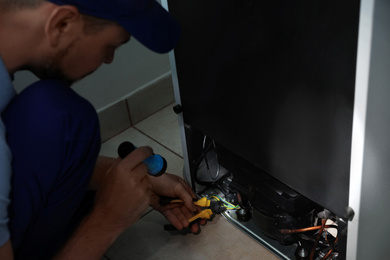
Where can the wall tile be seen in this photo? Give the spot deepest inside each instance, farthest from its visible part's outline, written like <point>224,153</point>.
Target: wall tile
<point>151,99</point>
<point>114,120</point>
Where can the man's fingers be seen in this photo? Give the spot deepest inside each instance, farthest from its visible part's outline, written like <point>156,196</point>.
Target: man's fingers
<point>189,189</point>
<point>133,161</point>
<point>185,193</point>
<point>176,218</point>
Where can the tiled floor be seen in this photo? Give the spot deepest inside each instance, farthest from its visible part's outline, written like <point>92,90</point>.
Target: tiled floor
<point>147,239</point>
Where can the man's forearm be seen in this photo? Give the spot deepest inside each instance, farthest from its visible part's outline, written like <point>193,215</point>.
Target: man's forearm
<point>103,164</point>
<point>121,199</point>
<point>90,240</point>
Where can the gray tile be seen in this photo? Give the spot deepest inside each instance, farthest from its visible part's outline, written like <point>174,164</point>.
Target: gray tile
<point>218,240</point>
<point>114,120</point>
<point>150,99</point>
<point>164,128</point>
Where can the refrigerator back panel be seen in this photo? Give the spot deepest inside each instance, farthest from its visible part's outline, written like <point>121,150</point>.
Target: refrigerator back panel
<point>273,82</point>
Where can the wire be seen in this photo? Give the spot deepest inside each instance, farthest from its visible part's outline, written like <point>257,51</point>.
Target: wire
<point>317,239</point>
<point>290,231</point>
<point>331,246</point>
<point>227,204</point>
<point>327,254</point>
<point>194,176</point>
<point>206,160</point>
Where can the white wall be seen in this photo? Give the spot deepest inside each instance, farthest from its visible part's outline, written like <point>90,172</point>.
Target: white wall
<point>134,66</point>
<point>373,241</point>
<point>370,179</point>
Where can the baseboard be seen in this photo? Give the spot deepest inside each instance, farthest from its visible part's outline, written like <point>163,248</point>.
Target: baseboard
<point>136,107</point>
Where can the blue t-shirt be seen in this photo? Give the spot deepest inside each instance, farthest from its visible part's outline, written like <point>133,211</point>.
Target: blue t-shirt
<point>6,94</point>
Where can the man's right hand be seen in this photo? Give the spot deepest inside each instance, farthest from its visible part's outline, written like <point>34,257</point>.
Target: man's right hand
<point>122,197</point>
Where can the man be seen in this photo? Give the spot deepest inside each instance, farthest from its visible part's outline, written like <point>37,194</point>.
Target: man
<point>53,133</point>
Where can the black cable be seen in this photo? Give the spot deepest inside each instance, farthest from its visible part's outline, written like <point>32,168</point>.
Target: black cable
<point>194,177</point>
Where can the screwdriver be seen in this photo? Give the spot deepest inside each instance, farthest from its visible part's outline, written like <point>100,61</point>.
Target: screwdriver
<point>156,164</point>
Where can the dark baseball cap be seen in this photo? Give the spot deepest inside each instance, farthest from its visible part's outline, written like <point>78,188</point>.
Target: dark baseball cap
<point>146,20</point>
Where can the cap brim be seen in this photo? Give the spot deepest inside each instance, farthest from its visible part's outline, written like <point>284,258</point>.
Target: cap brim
<point>156,29</point>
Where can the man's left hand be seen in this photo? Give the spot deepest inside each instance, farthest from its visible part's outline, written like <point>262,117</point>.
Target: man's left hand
<point>170,185</point>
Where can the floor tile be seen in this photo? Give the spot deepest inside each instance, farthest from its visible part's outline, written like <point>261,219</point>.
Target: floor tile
<point>163,127</point>
<point>218,240</point>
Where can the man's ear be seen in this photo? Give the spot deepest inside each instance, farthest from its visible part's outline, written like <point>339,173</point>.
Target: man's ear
<point>60,23</point>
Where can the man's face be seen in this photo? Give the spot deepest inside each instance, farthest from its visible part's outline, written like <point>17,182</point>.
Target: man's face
<point>84,55</point>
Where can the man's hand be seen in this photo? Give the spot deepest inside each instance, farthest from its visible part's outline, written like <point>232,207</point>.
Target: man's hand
<point>123,194</point>
<point>170,185</point>
<point>122,197</point>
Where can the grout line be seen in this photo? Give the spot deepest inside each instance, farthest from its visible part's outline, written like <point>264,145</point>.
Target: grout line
<point>173,102</point>
<point>140,88</point>
<point>128,112</point>
<point>133,126</point>
<point>155,112</point>
<point>146,213</point>
<point>115,135</point>
<point>166,147</point>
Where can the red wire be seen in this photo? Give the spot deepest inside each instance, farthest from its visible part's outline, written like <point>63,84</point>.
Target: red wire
<point>317,239</point>
<point>289,231</point>
<point>327,254</point>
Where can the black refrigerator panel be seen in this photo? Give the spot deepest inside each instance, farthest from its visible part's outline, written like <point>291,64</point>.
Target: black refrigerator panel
<point>272,83</point>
